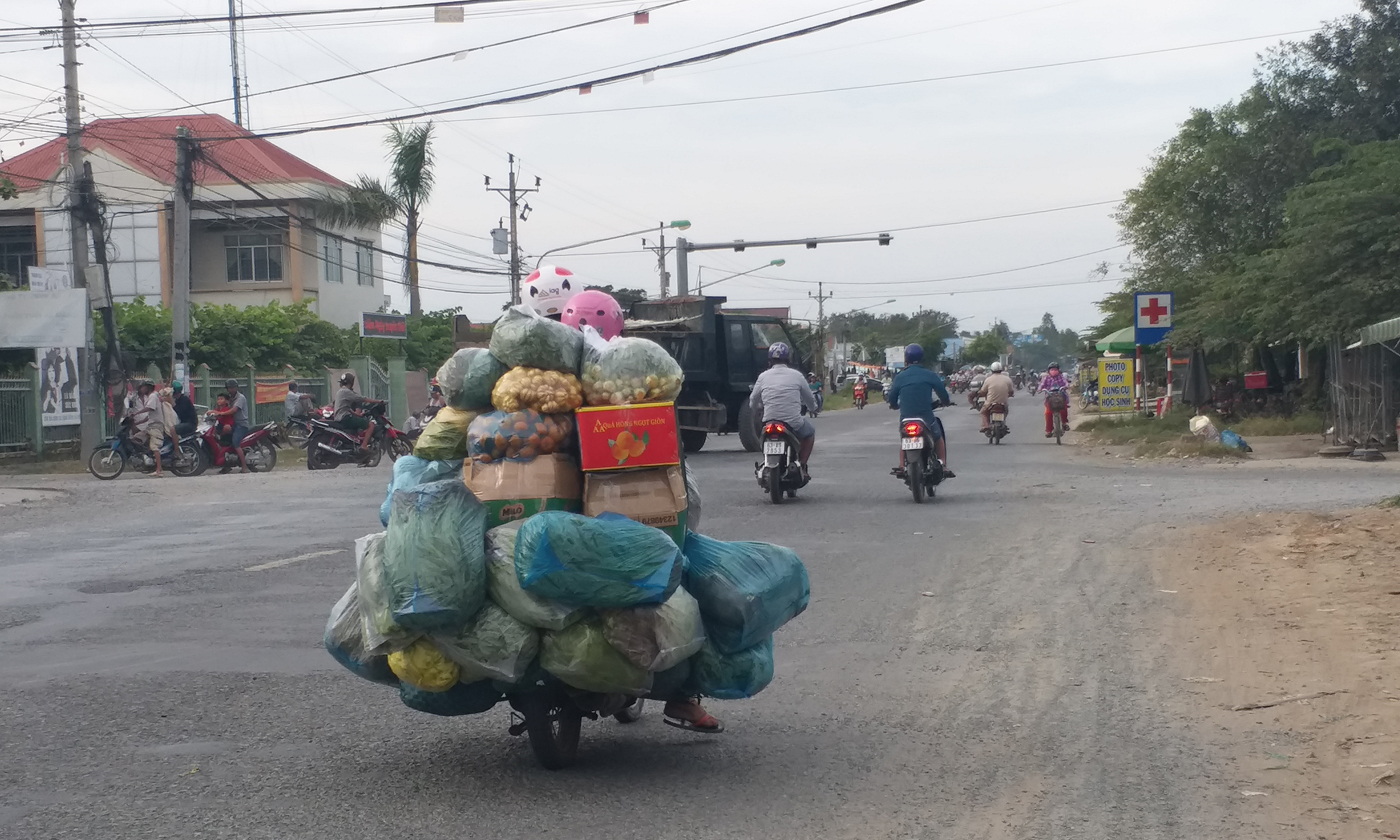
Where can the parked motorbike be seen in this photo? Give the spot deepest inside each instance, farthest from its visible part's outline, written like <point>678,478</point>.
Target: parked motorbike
<point>920,467</point>
<point>329,445</point>
<point>111,459</point>
<point>1056,401</point>
<point>780,471</point>
<point>298,428</point>
<point>996,426</point>
<point>259,448</point>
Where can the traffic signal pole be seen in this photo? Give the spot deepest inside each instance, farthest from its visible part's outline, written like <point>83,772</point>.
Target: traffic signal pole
<point>683,249</point>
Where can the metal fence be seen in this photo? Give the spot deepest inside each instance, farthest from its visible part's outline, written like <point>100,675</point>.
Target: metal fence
<point>1362,394</point>
<point>16,415</point>
<point>378,382</point>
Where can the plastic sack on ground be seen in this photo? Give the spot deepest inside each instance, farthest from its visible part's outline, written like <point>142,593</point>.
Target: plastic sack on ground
<point>518,435</point>
<point>656,637</point>
<point>461,699</point>
<point>607,561</point>
<point>345,641</point>
<point>445,437</point>
<point>522,338</point>
<point>746,590</point>
<point>435,556</point>
<point>629,371</point>
<point>692,498</point>
<point>733,676</point>
<point>545,391</point>
<point>492,646</point>
<point>411,471</point>
<point>581,657</point>
<point>505,590</point>
<point>1234,441</point>
<point>424,666</point>
<point>482,375</point>
<point>381,633</point>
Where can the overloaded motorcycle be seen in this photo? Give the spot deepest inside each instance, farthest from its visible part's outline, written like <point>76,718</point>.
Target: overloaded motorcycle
<point>328,445</point>
<point>216,450</point>
<point>920,468</point>
<point>780,471</point>
<point>111,459</point>
<point>551,714</point>
<point>996,425</point>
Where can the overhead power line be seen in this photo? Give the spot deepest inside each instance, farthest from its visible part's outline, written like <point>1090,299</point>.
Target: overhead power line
<point>127,24</point>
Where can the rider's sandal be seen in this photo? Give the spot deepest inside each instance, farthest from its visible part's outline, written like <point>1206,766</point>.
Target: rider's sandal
<point>708,725</point>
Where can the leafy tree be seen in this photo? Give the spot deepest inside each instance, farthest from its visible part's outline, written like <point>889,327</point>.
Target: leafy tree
<point>625,297</point>
<point>8,189</point>
<point>369,202</point>
<point>984,348</point>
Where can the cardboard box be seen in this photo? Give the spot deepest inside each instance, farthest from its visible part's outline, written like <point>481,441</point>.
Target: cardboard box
<point>514,490</point>
<point>628,436</point>
<point>654,497</point>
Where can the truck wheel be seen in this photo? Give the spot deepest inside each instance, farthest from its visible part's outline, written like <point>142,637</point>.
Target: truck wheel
<point>692,440</point>
<point>748,428</point>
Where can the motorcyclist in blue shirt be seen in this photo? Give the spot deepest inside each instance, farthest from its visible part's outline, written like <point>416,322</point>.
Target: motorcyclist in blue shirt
<point>912,393</point>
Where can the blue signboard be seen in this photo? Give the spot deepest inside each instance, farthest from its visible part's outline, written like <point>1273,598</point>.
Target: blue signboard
<point>1152,316</point>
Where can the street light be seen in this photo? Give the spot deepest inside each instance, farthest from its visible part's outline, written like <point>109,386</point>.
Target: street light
<point>871,306</point>
<point>680,224</point>
<point>770,264</point>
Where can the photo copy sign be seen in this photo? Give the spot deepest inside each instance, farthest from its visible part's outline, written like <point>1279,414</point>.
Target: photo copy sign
<point>1154,316</point>
<point>1115,385</point>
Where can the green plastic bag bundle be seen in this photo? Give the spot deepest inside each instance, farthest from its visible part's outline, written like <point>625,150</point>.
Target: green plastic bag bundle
<point>505,590</point>
<point>518,435</point>
<point>435,556</point>
<point>732,676</point>
<point>452,372</point>
<point>492,646</point>
<point>523,338</point>
<point>461,699</point>
<point>381,634</point>
<point>482,374</point>
<point>607,561</point>
<point>629,371</point>
<point>445,437</point>
<point>345,641</point>
<point>580,656</point>
<point>656,637</point>
<point>411,471</point>
<point>746,590</point>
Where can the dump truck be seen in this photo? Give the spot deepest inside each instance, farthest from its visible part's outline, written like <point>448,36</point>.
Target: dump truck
<point>721,354</point>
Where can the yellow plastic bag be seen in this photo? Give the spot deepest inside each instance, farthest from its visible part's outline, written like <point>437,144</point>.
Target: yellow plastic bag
<point>445,438</point>
<point>423,665</point>
<point>545,391</point>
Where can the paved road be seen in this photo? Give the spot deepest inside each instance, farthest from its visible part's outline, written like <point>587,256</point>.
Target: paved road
<point>971,668</point>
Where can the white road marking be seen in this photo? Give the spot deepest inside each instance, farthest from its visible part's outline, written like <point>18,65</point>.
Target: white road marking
<point>287,561</point>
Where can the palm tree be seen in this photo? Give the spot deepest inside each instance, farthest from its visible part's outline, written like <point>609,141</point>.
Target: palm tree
<point>369,202</point>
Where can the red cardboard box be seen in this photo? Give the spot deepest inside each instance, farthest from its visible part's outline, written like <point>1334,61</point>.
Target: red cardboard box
<point>622,437</point>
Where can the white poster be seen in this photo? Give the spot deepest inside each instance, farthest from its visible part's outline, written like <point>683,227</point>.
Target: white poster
<point>58,366</point>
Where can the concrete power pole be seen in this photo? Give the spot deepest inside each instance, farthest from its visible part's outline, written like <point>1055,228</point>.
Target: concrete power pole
<point>180,268</point>
<point>513,194</point>
<point>821,327</point>
<point>90,430</point>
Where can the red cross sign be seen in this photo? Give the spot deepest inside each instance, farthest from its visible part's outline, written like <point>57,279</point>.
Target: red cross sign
<point>1154,316</point>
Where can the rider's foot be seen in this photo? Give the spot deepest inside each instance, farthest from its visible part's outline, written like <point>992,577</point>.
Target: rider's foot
<point>1049,434</point>
<point>947,473</point>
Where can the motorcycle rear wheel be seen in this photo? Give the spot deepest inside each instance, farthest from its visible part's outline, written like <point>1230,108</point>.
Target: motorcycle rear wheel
<point>915,471</point>
<point>553,727</point>
<point>316,459</point>
<point>189,461</point>
<point>398,448</point>
<point>106,463</point>
<point>264,457</point>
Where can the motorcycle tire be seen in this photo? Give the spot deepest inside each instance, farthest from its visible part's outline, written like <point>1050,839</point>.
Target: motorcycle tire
<point>775,484</point>
<point>376,453</point>
<point>915,472</point>
<point>748,428</point>
<point>631,713</point>
<point>265,460</point>
<point>296,435</point>
<point>316,459</point>
<point>106,463</point>
<point>398,448</point>
<point>553,727</point>
<point>189,461</point>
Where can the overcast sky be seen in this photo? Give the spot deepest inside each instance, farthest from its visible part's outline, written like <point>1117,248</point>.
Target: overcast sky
<point>831,163</point>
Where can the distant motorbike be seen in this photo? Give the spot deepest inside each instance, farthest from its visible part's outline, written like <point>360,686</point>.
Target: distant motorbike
<point>859,398</point>
<point>780,471</point>
<point>920,468</point>
<point>111,459</point>
<point>259,448</point>
<point>329,445</point>
<point>996,426</point>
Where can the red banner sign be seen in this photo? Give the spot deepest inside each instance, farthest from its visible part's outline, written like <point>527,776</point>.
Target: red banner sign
<point>379,325</point>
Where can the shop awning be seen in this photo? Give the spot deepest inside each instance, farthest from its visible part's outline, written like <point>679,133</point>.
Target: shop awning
<point>1380,333</point>
<point>1119,342</point>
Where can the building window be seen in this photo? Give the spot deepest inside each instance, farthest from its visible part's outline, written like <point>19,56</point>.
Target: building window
<point>253,257</point>
<point>364,262</point>
<point>332,267</point>
<point>18,251</point>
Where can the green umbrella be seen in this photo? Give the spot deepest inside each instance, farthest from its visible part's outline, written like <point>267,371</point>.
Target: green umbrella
<point>1119,342</point>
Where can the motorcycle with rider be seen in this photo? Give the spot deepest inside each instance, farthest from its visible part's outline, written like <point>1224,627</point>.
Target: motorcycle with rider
<point>921,432</point>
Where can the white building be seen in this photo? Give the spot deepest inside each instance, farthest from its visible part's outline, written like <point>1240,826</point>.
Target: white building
<point>254,237</point>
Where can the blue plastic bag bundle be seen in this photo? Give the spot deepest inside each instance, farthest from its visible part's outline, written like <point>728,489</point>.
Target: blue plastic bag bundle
<point>435,556</point>
<point>607,561</point>
<point>461,699</point>
<point>1234,441</point>
<point>411,471</point>
<point>732,676</point>
<point>345,641</point>
<point>746,590</point>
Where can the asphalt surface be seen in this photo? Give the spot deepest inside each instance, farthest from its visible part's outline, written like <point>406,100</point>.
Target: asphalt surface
<point>985,665</point>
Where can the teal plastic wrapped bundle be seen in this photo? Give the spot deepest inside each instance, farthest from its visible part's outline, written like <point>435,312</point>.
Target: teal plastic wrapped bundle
<point>731,676</point>
<point>435,556</point>
<point>345,641</point>
<point>580,656</point>
<point>411,471</point>
<point>524,338</point>
<point>656,636</point>
<point>504,589</point>
<point>464,698</point>
<point>492,646</point>
<point>608,561</point>
<point>746,590</point>
<point>482,373</point>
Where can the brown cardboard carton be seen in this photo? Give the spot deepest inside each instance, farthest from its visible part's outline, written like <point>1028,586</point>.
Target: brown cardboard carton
<point>514,490</point>
<point>654,497</point>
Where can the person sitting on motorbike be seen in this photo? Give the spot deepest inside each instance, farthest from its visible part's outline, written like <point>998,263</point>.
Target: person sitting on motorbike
<point>296,403</point>
<point>858,389</point>
<point>973,388</point>
<point>1053,381</point>
<point>998,389</point>
<point>187,418</point>
<point>780,395</point>
<point>912,393</point>
<point>150,420</point>
<point>348,407</point>
<point>222,416</point>
<point>817,393</point>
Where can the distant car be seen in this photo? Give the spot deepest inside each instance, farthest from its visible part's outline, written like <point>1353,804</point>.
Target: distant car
<point>876,385</point>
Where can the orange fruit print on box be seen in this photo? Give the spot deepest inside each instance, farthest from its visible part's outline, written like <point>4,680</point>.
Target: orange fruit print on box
<point>628,445</point>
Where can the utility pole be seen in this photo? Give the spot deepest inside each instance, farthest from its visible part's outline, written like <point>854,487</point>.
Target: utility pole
<point>93,215</point>
<point>180,269</point>
<point>682,267</point>
<point>90,429</point>
<point>821,326</point>
<point>660,250</point>
<point>513,194</point>
<point>240,86</point>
